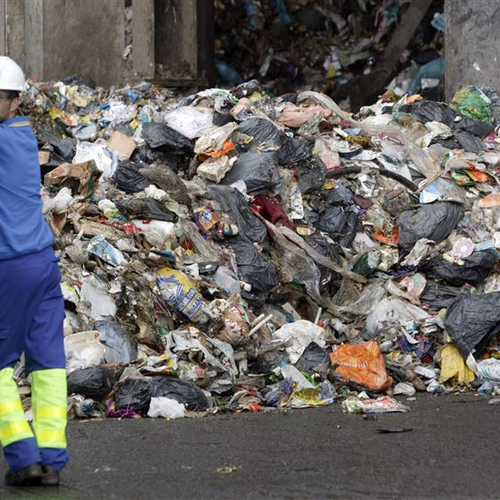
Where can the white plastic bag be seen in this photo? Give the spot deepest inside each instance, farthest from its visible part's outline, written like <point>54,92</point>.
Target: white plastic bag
<point>158,232</point>
<point>166,408</point>
<point>83,350</point>
<point>189,121</point>
<point>99,152</point>
<point>60,203</point>
<point>298,336</point>
<point>393,311</point>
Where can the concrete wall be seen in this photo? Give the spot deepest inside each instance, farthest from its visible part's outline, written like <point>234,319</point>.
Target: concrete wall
<point>82,37</point>
<point>472,43</point>
<point>55,38</point>
<point>14,27</point>
<point>51,39</point>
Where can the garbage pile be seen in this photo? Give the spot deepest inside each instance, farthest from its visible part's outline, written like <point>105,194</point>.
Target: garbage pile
<point>227,251</point>
<point>318,45</point>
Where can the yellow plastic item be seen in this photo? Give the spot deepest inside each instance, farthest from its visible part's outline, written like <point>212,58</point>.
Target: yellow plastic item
<point>453,366</point>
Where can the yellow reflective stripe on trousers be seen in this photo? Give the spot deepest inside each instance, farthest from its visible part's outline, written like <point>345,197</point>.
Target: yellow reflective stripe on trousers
<point>10,407</point>
<point>51,438</point>
<point>49,399</point>
<point>13,426</point>
<point>50,412</point>
<point>15,432</point>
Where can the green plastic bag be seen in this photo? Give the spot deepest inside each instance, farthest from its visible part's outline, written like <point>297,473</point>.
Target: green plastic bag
<point>471,102</point>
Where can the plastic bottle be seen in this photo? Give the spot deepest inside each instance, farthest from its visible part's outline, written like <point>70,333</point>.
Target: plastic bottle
<point>181,295</point>
<point>227,281</point>
<point>256,18</point>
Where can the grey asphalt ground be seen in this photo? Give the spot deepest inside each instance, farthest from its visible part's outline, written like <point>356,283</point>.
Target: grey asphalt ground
<point>452,452</point>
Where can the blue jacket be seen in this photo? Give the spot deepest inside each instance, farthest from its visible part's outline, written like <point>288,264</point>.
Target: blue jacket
<point>23,229</point>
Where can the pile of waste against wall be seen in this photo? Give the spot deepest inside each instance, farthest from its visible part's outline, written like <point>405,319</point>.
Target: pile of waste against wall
<point>231,251</point>
<point>323,45</point>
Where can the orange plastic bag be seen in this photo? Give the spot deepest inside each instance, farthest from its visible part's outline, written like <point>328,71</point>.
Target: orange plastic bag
<point>226,148</point>
<point>362,363</point>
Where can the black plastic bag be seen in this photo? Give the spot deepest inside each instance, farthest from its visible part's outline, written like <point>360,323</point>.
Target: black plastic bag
<point>262,131</point>
<point>314,359</point>
<point>474,270</point>
<point>259,171</point>
<point>66,148</point>
<point>434,221</point>
<point>331,250</point>
<point>221,119</point>
<point>329,280</point>
<point>268,361</point>
<point>312,175</point>
<point>426,111</point>
<point>340,195</point>
<point>234,204</point>
<point>252,267</point>
<point>145,208</point>
<point>119,347</point>
<point>462,140</point>
<point>182,391</point>
<point>437,296</point>
<point>472,321</point>
<point>134,394</point>
<point>128,178</point>
<point>145,154</point>
<point>93,382</point>
<point>469,142</point>
<point>188,100</point>
<point>294,150</point>
<point>246,88</point>
<point>160,135</point>
<point>165,178</point>
<point>125,129</point>
<point>340,224</point>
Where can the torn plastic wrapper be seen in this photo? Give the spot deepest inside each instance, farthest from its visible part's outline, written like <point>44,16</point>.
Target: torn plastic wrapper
<point>383,404</point>
<point>99,247</point>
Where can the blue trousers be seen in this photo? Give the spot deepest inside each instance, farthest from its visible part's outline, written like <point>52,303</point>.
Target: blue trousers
<point>31,322</point>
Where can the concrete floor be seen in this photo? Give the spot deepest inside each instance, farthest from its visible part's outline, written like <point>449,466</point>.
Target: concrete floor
<point>451,452</point>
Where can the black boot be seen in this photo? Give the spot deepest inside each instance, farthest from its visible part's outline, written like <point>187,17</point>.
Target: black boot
<point>25,477</point>
<point>50,476</point>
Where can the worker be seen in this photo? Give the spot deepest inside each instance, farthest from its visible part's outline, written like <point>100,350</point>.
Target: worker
<point>31,303</point>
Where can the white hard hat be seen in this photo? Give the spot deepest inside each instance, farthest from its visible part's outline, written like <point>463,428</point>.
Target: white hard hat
<point>11,75</point>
